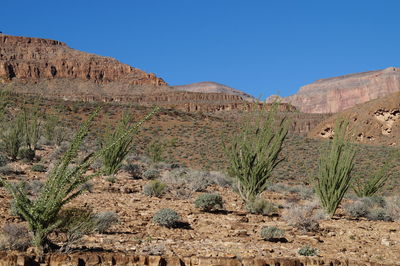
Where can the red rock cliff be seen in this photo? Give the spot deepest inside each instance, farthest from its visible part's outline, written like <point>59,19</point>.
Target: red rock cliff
<point>336,94</point>
<point>32,59</point>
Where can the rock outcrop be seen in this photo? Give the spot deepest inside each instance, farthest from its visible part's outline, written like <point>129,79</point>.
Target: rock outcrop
<point>119,258</point>
<point>333,95</point>
<point>51,69</point>
<point>213,87</point>
<point>27,59</point>
<point>373,122</point>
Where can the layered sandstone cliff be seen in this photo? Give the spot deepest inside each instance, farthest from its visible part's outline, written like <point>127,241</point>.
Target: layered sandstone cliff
<point>333,95</point>
<point>24,59</point>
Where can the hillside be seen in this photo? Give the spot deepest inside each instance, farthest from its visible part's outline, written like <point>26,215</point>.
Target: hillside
<point>213,87</point>
<point>51,69</point>
<point>374,122</point>
<point>335,94</point>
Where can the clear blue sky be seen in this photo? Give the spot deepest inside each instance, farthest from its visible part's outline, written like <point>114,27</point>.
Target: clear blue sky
<point>261,47</point>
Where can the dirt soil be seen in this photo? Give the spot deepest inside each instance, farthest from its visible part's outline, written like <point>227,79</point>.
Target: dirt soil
<point>232,232</point>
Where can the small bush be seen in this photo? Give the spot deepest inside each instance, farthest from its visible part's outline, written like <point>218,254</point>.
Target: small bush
<point>208,202</point>
<point>39,168</point>
<point>3,160</point>
<point>154,188</point>
<point>184,181</point>
<point>166,217</point>
<point>379,214</point>
<point>261,206</point>
<point>6,170</point>
<point>75,223</point>
<point>302,218</point>
<point>111,179</point>
<point>151,174</point>
<point>134,170</point>
<point>26,154</point>
<point>12,137</point>
<point>155,150</point>
<point>393,207</point>
<point>104,220</point>
<point>357,209</point>
<point>308,251</point>
<point>372,208</point>
<point>15,237</point>
<point>272,233</point>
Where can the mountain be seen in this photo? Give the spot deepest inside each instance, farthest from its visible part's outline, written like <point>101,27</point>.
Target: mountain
<point>213,87</point>
<point>373,122</point>
<point>51,65</point>
<point>51,69</point>
<point>333,95</point>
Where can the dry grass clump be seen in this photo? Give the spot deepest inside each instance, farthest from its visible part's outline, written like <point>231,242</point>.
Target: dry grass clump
<point>304,218</point>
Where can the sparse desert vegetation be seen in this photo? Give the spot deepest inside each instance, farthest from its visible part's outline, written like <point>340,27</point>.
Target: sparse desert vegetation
<point>173,206</point>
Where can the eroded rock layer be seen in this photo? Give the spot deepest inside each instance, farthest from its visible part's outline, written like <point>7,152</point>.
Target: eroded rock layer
<point>33,59</point>
<point>103,258</point>
<point>373,122</point>
<point>333,95</point>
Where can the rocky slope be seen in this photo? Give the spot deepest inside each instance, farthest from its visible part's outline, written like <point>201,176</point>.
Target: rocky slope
<point>336,94</point>
<point>213,87</point>
<point>52,69</point>
<point>374,122</point>
<point>33,59</point>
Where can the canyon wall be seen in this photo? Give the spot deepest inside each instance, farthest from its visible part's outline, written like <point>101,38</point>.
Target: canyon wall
<point>333,95</point>
<point>33,59</point>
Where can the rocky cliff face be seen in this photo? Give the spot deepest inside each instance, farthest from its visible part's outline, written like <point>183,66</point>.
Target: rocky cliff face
<point>374,122</point>
<point>119,258</point>
<point>333,95</point>
<point>34,59</point>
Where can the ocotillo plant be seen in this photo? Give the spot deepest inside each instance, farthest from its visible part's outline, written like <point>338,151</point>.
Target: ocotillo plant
<point>254,152</point>
<point>335,166</point>
<point>64,183</point>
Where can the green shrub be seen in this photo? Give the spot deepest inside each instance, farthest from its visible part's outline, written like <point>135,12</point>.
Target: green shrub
<point>151,174</point>
<point>261,206</point>
<point>26,154</point>
<point>379,214</point>
<point>3,160</point>
<point>12,137</point>
<point>64,183</point>
<point>368,187</point>
<point>154,188</point>
<point>372,208</point>
<point>155,151</point>
<point>166,217</point>
<point>308,251</point>
<point>208,202</point>
<point>272,233</point>
<point>75,223</point>
<point>31,130</point>
<point>134,170</point>
<point>254,153</point>
<point>111,179</point>
<point>39,168</point>
<point>49,128</point>
<point>334,174</point>
<point>357,209</point>
<point>113,158</point>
